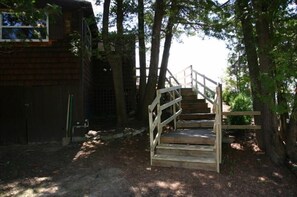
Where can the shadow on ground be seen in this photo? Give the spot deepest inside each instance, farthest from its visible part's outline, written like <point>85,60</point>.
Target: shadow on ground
<point>122,168</point>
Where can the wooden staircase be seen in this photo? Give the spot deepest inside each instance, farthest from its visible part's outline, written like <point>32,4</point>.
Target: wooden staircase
<point>192,144</point>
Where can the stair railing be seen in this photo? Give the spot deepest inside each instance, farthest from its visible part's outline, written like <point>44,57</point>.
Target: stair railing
<point>217,109</point>
<point>170,78</point>
<point>169,100</point>
<point>201,84</point>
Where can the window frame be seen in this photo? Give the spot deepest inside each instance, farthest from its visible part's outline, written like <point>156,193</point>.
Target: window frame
<point>46,39</point>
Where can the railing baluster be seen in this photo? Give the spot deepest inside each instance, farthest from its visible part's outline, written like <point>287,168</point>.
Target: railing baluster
<point>157,123</point>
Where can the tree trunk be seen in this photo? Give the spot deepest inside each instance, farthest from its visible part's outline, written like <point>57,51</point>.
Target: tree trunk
<point>142,56</point>
<point>291,146</point>
<point>244,14</point>
<point>273,145</point>
<point>115,61</point>
<point>284,116</point>
<point>167,45</point>
<point>150,90</point>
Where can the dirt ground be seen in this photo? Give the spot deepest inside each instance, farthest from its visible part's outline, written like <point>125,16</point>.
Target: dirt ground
<point>121,167</point>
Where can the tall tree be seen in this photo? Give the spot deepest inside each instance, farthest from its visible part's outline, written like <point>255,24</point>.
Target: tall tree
<point>173,13</point>
<point>243,14</point>
<point>291,133</point>
<point>264,15</point>
<point>115,58</point>
<point>154,59</point>
<point>142,55</point>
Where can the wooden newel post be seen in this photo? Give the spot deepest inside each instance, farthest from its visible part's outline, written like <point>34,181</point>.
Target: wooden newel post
<point>204,85</point>
<point>191,76</point>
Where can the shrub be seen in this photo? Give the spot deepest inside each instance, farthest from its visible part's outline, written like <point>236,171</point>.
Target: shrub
<point>229,95</point>
<point>241,102</point>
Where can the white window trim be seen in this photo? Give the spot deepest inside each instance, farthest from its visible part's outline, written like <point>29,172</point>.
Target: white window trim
<point>24,40</point>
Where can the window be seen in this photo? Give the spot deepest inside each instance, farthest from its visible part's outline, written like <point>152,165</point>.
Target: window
<point>18,27</point>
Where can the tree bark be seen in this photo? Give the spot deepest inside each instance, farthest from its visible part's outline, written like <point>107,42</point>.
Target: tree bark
<point>150,90</point>
<point>244,15</point>
<point>142,56</point>
<point>167,45</point>
<point>273,145</point>
<point>115,61</point>
<point>291,146</point>
<point>284,116</point>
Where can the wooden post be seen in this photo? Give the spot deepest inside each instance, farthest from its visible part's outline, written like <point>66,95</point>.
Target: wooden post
<point>159,114</point>
<point>196,84</point>
<point>191,76</point>
<point>204,85</point>
<point>174,109</point>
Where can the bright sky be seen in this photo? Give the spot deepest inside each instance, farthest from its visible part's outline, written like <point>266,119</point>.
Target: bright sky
<point>208,56</point>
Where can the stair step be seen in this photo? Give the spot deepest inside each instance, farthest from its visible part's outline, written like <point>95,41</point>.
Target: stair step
<point>192,98</point>
<point>195,124</point>
<point>186,150</point>
<point>191,105</point>
<point>189,136</point>
<point>187,91</point>
<point>193,110</point>
<point>205,163</point>
<point>197,116</point>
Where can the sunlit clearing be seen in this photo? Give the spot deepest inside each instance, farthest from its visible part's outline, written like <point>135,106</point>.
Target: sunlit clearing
<point>87,149</point>
<point>39,180</point>
<point>32,187</point>
<point>91,144</point>
<point>199,174</point>
<point>276,174</point>
<point>256,148</point>
<point>166,185</point>
<point>82,154</point>
<point>262,179</point>
<point>294,165</point>
<point>163,188</point>
<point>41,190</point>
<point>211,176</point>
<point>237,146</point>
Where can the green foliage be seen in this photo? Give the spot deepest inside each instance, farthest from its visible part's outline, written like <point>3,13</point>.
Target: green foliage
<point>75,43</point>
<point>229,95</point>
<point>241,102</point>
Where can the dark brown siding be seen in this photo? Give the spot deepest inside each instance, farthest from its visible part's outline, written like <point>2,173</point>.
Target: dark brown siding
<point>35,114</point>
<point>36,79</point>
<point>31,66</point>
<point>34,86</point>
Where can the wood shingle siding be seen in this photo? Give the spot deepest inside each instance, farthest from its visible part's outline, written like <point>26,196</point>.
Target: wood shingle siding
<point>39,66</point>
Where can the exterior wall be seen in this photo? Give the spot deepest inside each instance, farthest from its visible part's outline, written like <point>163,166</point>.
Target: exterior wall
<point>36,79</point>
<point>35,66</point>
<point>34,114</point>
<point>34,85</point>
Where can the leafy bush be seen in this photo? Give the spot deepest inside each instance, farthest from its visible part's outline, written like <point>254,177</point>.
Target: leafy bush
<point>240,103</point>
<point>229,95</point>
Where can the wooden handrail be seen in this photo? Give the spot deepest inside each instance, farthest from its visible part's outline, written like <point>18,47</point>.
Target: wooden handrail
<point>242,113</point>
<point>170,78</point>
<point>201,84</point>
<point>155,120</point>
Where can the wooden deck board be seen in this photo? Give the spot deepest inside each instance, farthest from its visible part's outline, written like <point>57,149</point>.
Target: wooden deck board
<point>191,133</point>
<point>189,136</point>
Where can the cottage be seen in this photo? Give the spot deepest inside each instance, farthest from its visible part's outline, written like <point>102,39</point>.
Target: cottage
<point>45,72</point>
